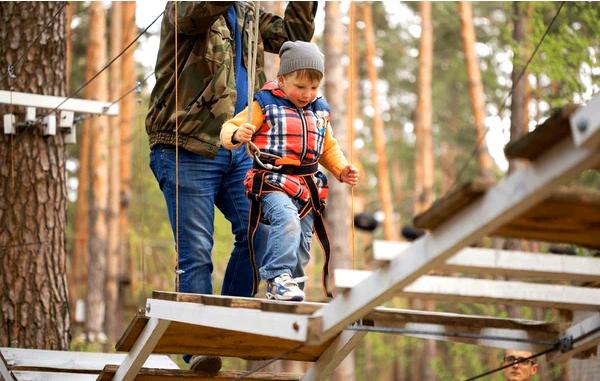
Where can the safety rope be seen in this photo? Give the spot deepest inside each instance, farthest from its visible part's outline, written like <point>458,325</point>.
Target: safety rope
<point>177,272</point>
<point>564,344</point>
<point>503,105</point>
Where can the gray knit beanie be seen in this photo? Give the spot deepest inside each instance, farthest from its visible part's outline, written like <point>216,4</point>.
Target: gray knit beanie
<point>296,55</point>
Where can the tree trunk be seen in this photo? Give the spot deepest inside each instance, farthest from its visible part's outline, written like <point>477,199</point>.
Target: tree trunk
<point>95,311</point>
<point>517,109</point>
<point>34,310</point>
<point>476,94</point>
<point>424,152</point>
<point>113,244</point>
<point>423,112</point>
<point>126,122</point>
<point>518,119</point>
<point>338,217</point>
<point>69,43</point>
<point>383,180</point>
<point>68,65</point>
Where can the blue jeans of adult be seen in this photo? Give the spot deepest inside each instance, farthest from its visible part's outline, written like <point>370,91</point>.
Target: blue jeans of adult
<point>288,245</point>
<point>203,184</point>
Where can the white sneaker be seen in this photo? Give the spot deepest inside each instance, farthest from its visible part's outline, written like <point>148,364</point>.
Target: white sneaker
<point>284,287</point>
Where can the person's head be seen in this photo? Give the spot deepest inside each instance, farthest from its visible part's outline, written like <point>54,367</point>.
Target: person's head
<point>522,371</point>
<point>301,69</point>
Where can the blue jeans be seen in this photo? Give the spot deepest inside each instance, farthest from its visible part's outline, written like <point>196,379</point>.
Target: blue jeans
<point>203,184</point>
<point>288,246</point>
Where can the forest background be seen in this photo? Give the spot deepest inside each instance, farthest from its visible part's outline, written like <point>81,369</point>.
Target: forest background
<point>407,111</point>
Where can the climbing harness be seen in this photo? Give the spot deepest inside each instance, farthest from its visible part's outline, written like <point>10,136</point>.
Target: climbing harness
<point>260,187</point>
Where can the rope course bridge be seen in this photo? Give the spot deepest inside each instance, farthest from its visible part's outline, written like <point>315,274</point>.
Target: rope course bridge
<point>528,203</point>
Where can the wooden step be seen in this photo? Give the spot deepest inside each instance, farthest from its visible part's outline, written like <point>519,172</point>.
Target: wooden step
<point>146,374</point>
<point>546,135</point>
<point>183,338</point>
<point>193,339</point>
<point>50,365</point>
<point>567,216</point>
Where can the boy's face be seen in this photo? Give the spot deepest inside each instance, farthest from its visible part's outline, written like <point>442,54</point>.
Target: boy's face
<point>299,90</point>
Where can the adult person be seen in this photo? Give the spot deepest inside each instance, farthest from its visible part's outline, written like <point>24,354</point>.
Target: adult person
<point>519,370</point>
<point>212,42</point>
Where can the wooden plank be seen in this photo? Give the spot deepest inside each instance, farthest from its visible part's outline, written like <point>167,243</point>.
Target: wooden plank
<point>305,308</point>
<point>143,346</point>
<point>514,264</point>
<point>511,197</point>
<point>285,326</point>
<point>469,290</point>
<point>5,374</point>
<point>488,337</point>
<point>546,135</point>
<point>586,335</point>
<point>567,216</point>
<point>20,358</point>
<point>193,339</point>
<point>26,375</point>
<point>167,375</point>
<point>384,316</point>
<point>451,203</point>
<point>50,102</point>
<point>334,355</point>
<point>401,318</point>
<point>505,292</point>
<point>345,278</point>
<point>584,122</point>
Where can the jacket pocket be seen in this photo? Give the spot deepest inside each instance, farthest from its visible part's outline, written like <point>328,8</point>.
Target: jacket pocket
<point>219,43</point>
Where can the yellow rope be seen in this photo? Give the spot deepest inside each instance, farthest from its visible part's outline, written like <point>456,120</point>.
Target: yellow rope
<point>351,125</point>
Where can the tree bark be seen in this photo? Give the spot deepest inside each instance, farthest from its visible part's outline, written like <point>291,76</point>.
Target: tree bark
<point>113,244</point>
<point>518,119</point>
<point>476,94</point>
<point>338,216</point>
<point>126,122</point>
<point>383,180</point>
<point>423,112</point>
<point>424,152</point>
<point>34,310</point>
<point>95,311</point>
<point>517,109</point>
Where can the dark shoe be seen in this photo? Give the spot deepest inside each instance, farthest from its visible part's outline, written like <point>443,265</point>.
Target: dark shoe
<point>208,364</point>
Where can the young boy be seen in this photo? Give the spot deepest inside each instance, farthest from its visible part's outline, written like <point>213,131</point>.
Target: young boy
<point>290,126</point>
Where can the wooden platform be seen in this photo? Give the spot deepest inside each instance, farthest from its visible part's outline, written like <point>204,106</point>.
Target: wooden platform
<point>546,135</point>
<point>193,339</point>
<point>160,375</point>
<point>185,338</point>
<point>50,365</point>
<point>567,216</point>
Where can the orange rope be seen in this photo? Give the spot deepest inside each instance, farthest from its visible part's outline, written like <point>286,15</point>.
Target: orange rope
<point>176,157</point>
<point>351,124</point>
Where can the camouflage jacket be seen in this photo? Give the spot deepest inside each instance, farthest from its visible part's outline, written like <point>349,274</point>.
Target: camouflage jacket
<point>206,80</point>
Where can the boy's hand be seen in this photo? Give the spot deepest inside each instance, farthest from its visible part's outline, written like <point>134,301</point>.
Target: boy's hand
<point>349,175</point>
<point>244,133</point>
